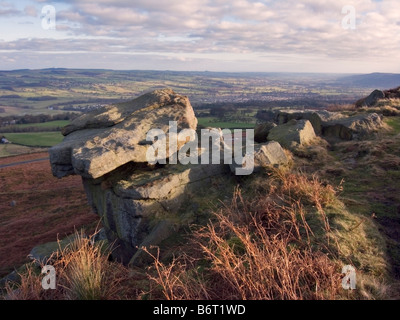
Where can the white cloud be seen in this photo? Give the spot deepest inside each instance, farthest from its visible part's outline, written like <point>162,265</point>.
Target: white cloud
<point>308,29</point>
<point>31,11</point>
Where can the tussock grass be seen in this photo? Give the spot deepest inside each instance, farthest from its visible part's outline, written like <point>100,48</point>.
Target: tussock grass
<point>254,250</point>
<point>284,235</point>
<point>29,287</point>
<point>83,272</point>
<point>307,190</point>
<point>391,103</point>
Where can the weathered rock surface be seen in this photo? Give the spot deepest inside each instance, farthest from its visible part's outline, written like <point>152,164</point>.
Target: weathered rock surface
<point>265,155</point>
<point>336,124</point>
<point>101,141</point>
<point>43,252</point>
<point>133,203</point>
<point>11,278</point>
<point>329,116</point>
<point>138,203</point>
<point>355,127</point>
<point>293,133</point>
<point>372,99</point>
<point>261,131</point>
<point>316,121</point>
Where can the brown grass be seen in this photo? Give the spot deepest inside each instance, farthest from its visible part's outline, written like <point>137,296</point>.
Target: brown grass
<point>385,107</point>
<point>341,107</point>
<point>83,272</point>
<point>45,208</point>
<point>273,240</point>
<point>287,238</point>
<point>307,190</point>
<point>253,250</point>
<point>29,288</point>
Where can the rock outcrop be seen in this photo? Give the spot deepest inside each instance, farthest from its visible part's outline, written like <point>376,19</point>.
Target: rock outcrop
<point>331,124</point>
<point>293,133</point>
<point>312,116</point>
<point>101,141</point>
<point>355,127</point>
<point>265,155</point>
<point>138,205</point>
<point>371,100</point>
<point>138,202</point>
<point>261,131</point>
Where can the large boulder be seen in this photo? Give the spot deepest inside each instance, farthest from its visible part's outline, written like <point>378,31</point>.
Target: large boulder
<point>329,116</point>
<point>265,155</point>
<point>312,116</point>
<point>137,206</point>
<point>293,133</point>
<point>101,141</point>
<point>372,99</point>
<point>43,253</point>
<point>261,131</point>
<point>138,200</point>
<point>355,127</point>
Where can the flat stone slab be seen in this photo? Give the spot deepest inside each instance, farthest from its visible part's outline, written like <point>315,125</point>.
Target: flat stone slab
<point>99,142</point>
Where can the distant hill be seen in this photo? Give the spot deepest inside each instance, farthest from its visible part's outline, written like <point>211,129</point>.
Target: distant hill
<point>373,80</point>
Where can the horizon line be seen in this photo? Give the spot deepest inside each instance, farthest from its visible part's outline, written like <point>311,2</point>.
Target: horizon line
<point>199,71</point>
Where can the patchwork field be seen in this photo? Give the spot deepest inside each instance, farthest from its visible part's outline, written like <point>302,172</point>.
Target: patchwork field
<point>53,91</point>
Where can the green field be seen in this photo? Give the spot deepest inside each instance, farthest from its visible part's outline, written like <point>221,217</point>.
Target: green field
<point>49,124</point>
<point>35,139</point>
<point>394,123</point>
<point>214,123</point>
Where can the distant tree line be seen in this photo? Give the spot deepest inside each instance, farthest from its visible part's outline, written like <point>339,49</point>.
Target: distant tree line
<point>90,104</point>
<point>217,105</point>
<point>42,98</point>
<point>39,118</point>
<point>15,129</point>
<point>10,96</point>
<point>321,103</point>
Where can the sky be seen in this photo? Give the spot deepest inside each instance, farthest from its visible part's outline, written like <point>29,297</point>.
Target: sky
<point>341,36</point>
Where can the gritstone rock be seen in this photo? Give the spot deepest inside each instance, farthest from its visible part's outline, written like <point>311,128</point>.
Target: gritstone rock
<point>138,203</point>
<point>101,141</point>
<point>293,133</point>
<point>265,155</point>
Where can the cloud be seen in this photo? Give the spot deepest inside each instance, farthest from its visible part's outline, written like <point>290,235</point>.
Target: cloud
<point>307,28</point>
<point>7,9</point>
<point>30,11</point>
<point>240,26</point>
